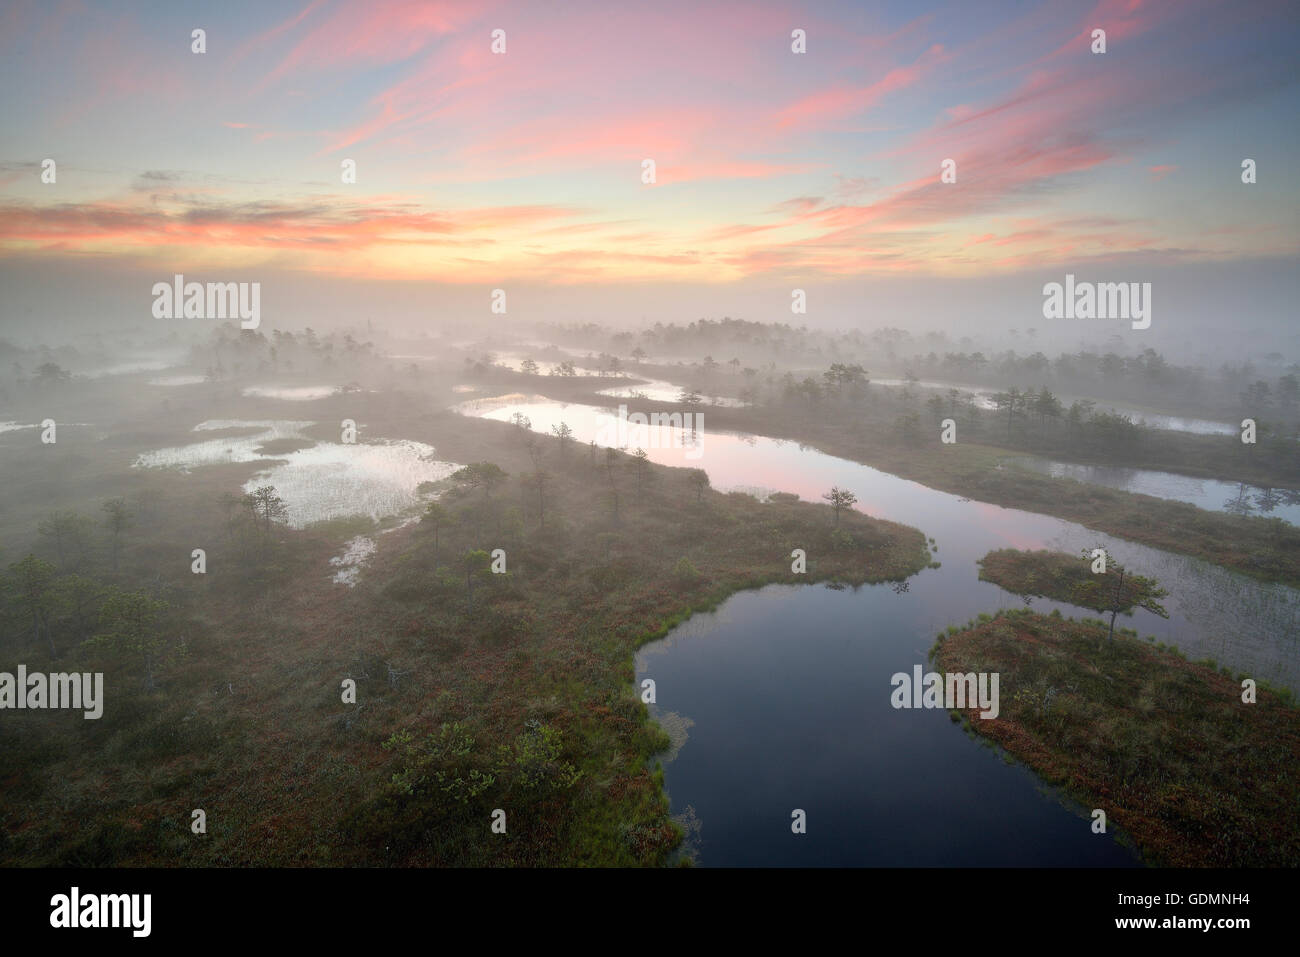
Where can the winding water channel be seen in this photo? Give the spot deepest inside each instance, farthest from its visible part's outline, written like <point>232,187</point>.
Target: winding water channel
<point>779,699</point>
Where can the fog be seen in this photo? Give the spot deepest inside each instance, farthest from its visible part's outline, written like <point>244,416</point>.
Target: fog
<point>1202,314</point>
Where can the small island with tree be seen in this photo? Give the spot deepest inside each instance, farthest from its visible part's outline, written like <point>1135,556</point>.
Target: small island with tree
<point>1064,577</point>
<point>1193,764</point>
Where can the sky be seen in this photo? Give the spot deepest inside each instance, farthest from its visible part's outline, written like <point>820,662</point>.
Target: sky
<point>774,170</point>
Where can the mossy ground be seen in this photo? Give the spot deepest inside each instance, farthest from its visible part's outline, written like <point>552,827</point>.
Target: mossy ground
<point>534,676</point>
<point>1166,747</point>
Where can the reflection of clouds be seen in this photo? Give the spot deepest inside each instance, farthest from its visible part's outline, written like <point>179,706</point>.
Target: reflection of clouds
<point>327,480</point>
<point>303,393</point>
<point>224,450</point>
<point>331,480</point>
<point>1243,623</point>
<point>489,404</point>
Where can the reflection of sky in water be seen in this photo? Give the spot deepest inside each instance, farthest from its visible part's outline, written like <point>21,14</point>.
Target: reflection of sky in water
<point>303,393</point>
<point>330,480</point>
<point>513,361</point>
<point>1243,623</point>
<point>327,480</point>
<point>1209,494</point>
<point>779,699</point>
<point>983,397</point>
<point>225,449</point>
<point>657,390</point>
<point>1175,423</point>
<point>160,360</point>
<point>175,380</point>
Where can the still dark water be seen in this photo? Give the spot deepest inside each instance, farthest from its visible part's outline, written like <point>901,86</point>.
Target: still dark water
<point>781,698</point>
<point>788,693</point>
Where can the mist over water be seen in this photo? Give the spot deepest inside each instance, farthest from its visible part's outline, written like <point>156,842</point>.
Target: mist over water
<point>778,699</point>
<point>1246,624</point>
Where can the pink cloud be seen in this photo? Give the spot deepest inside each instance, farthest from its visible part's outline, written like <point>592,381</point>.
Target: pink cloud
<point>322,224</point>
<point>828,107</point>
<point>379,32</point>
